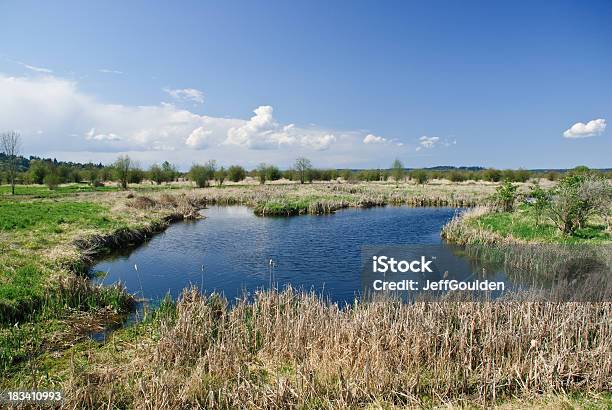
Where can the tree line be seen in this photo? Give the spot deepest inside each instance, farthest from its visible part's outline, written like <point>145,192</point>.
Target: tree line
<point>16,169</point>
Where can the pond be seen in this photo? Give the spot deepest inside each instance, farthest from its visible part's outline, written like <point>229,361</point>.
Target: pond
<point>230,251</point>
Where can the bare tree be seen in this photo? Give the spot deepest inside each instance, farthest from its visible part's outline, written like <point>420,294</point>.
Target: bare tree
<point>302,166</point>
<point>10,143</point>
<point>123,165</point>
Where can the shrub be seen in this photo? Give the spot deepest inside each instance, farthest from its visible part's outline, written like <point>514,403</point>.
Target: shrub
<point>397,171</point>
<point>522,175</point>
<point>540,200</point>
<point>551,175</point>
<point>76,176</point>
<point>169,171</point>
<point>289,174</point>
<point>91,176</point>
<point>220,176</point>
<point>122,167</point>
<point>156,174</point>
<point>236,173</point>
<point>52,180</point>
<point>456,176</point>
<point>508,175</point>
<point>38,171</point>
<point>262,173</point>
<point>135,176</point>
<point>420,176</point>
<point>492,174</point>
<point>580,170</point>
<point>505,195</point>
<point>369,175</point>
<point>201,174</point>
<point>273,173</point>
<point>577,197</point>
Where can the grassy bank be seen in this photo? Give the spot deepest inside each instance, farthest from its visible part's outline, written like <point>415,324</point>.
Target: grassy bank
<point>485,226</point>
<point>285,350</point>
<point>47,245</point>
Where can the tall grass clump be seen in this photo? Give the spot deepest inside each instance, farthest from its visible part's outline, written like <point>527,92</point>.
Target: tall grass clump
<point>459,230</point>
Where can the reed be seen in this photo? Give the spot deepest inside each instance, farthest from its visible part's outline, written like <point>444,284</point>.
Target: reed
<point>294,350</point>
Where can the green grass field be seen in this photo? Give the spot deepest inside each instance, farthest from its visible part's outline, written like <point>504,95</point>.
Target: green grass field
<point>44,191</point>
<point>48,217</point>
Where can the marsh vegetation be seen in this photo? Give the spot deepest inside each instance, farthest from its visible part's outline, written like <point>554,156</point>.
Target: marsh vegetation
<point>293,350</point>
<point>281,349</point>
<point>577,209</point>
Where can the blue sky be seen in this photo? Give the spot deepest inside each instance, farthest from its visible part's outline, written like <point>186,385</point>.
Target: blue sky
<point>346,83</point>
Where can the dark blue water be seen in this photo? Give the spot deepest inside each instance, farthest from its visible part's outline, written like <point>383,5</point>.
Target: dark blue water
<point>230,251</point>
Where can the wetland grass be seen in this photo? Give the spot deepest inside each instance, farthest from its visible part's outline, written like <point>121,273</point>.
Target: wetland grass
<point>294,350</point>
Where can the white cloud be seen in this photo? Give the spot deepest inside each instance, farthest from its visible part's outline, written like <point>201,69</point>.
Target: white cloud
<point>373,139</point>
<point>426,142</point>
<point>318,142</point>
<point>263,132</point>
<point>582,130</point>
<point>58,107</point>
<point>199,138</point>
<point>74,121</point>
<point>109,71</point>
<point>34,68</point>
<point>79,127</point>
<point>91,135</point>
<point>186,94</point>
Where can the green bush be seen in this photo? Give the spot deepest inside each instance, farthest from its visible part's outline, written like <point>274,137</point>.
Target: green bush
<point>505,196</point>
<point>52,180</point>
<point>457,176</point>
<point>540,201</point>
<point>397,171</point>
<point>202,174</point>
<point>236,173</point>
<point>420,176</point>
<point>492,175</point>
<point>578,196</point>
<point>220,176</point>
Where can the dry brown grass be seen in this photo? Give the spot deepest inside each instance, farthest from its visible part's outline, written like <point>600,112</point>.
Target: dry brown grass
<point>318,198</point>
<point>290,350</point>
